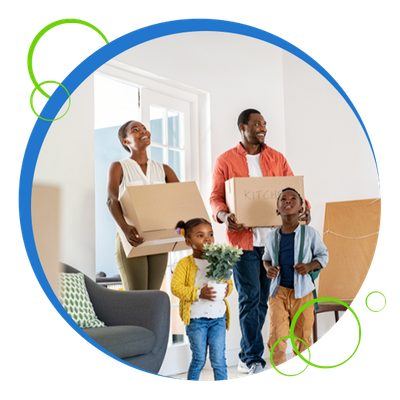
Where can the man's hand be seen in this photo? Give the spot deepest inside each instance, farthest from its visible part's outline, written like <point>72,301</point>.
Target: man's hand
<point>306,216</point>
<point>231,222</point>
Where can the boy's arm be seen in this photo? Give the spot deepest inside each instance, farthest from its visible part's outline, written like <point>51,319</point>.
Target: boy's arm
<point>272,272</point>
<point>320,256</point>
<point>305,268</point>
<point>320,252</point>
<point>178,287</point>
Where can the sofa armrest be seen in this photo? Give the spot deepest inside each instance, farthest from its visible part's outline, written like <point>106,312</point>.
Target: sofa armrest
<point>149,309</point>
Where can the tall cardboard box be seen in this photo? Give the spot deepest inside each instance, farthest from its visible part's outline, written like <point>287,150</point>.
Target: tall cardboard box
<point>253,200</point>
<point>154,211</point>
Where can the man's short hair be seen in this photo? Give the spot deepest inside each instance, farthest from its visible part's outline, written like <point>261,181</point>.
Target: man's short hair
<point>245,116</point>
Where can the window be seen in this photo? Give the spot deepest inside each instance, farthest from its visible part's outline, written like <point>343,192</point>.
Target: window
<point>168,119</point>
<point>167,139</point>
<point>118,98</point>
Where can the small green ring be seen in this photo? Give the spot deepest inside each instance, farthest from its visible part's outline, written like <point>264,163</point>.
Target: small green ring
<point>366,302</point>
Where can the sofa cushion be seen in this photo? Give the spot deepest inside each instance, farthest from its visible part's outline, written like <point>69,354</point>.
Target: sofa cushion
<point>124,340</point>
<point>75,299</point>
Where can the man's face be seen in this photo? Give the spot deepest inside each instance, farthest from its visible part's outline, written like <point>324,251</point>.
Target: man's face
<point>255,130</point>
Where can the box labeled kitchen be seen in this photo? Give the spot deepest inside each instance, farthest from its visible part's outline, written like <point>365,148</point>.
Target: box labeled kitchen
<point>253,200</point>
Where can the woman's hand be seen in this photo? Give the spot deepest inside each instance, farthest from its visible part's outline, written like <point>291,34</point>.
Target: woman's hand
<point>132,236</point>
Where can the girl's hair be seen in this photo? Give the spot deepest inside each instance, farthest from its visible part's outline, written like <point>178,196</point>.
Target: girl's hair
<point>189,225</point>
<point>122,134</point>
<point>293,190</point>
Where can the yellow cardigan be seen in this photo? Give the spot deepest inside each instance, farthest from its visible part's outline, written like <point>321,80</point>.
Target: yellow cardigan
<point>182,286</point>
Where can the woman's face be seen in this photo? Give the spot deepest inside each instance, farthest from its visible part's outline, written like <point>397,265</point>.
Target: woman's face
<point>137,136</point>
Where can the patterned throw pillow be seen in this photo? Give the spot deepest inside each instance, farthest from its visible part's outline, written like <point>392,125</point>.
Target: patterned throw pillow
<point>74,297</point>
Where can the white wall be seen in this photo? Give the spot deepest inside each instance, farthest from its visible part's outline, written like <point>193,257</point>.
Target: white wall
<point>308,121</point>
<point>324,140</point>
<point>66,160</point>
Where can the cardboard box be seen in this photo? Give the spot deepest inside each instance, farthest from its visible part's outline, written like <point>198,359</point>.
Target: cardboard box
<point>253,200</point>
<point>154,211</point>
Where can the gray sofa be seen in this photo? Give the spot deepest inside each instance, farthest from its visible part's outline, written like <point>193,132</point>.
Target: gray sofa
<point>137,323</point>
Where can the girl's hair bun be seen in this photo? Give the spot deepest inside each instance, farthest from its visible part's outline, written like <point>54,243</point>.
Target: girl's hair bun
<point>189,225</point>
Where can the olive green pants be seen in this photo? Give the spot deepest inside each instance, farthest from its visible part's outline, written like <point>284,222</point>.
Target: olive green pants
<point>140,273</point>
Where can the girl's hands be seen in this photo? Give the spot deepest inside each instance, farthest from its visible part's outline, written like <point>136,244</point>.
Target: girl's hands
<point>207,293</point>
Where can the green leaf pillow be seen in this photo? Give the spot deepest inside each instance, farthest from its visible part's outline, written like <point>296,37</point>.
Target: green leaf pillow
<point>75,299</point>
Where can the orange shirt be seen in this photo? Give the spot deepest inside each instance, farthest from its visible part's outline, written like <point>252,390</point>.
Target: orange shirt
<point>232,164</point>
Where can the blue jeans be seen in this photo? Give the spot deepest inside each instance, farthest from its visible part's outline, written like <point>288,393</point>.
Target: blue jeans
<point>252,285</point>
<point>203,332</point>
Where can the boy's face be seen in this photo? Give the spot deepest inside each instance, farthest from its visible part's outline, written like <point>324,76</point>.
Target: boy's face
<point>289,203</point>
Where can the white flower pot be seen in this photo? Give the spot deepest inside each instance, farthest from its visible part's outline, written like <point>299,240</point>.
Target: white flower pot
<point>218,287</point>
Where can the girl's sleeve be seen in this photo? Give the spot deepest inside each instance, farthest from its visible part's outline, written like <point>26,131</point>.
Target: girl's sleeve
<point>178,287</point>
<point>230,283</point>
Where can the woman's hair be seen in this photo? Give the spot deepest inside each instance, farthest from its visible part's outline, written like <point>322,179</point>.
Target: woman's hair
<point>189,225</point>
<point>122,134</point>
<point>293,190</point>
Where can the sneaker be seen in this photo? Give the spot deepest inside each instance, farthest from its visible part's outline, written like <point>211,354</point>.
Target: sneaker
<point>242,367</point>
<point>256,368</point>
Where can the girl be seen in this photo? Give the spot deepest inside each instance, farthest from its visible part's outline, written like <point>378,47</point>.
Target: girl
<point>206,319</point>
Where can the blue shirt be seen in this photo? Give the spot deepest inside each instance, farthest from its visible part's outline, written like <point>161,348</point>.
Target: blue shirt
<point>286,257</point>
<point>314,250</point>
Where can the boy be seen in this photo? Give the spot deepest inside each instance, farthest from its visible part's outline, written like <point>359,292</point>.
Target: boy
<point>291,285</point>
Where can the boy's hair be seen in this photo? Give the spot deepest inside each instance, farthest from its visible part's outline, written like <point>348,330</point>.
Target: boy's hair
<point>122,134</point>
<point>189,225</point>
<point>244,116</point>
<point>293,190</point>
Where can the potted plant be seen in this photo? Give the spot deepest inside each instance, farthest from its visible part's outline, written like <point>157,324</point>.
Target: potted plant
<point>221,258</point>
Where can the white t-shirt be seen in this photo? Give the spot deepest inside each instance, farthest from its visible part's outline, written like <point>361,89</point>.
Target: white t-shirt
<point>205,308</point>
<point>259,233</point>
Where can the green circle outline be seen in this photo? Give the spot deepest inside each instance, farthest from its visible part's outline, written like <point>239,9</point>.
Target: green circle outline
<point>33,91</point>
<point>39,86</point>
<point>351,354</point>
<point>298,373</point>
<point>370,293</point>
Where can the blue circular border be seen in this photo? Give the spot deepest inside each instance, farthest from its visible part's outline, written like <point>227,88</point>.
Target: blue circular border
<point>83,71</point>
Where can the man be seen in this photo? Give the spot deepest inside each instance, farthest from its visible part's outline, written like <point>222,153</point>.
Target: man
<point>251,157</point>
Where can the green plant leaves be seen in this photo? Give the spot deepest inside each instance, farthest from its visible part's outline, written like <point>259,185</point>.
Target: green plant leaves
<point>221,258</point>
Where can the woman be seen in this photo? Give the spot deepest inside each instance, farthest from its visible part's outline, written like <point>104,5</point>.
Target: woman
<point>146,272</point>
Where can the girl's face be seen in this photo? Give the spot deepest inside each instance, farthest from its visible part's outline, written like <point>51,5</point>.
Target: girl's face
<point>198,237</point>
